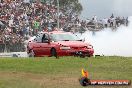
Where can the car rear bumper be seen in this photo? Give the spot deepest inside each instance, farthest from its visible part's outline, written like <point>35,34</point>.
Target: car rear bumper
<point>88,52</point>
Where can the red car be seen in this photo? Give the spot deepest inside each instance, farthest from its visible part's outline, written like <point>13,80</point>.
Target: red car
<point>58,43</point>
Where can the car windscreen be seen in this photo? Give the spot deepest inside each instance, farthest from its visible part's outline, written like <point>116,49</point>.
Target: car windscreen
<point>64,37</point>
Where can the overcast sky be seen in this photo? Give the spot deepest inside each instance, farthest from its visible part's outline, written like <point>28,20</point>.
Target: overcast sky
<point>104,8</point>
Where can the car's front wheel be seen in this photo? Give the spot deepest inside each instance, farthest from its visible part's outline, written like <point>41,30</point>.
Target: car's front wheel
<point>53,52</point>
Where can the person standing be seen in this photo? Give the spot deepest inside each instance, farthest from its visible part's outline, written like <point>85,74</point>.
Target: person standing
<point>105,22</point>
<point>36,26</point>
<point>127,21</point>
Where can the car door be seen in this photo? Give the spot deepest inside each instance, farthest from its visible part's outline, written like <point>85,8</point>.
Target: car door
<point>37,45</point>
<point>46,45</point>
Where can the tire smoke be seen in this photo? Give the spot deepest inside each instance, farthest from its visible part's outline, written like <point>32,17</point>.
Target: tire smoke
<point>111,43</point>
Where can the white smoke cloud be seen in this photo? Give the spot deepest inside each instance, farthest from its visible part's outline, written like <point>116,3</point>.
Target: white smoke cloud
<point>110,42</point>
<point>122,7</point>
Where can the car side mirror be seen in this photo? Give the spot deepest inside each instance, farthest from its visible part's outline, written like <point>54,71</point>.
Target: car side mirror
<point>46,41</point>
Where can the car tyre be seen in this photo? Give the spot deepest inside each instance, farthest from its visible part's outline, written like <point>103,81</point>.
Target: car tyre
<point>54,53</point>
<point>31,53</point>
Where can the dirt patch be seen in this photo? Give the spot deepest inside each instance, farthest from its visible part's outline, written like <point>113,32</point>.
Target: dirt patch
<point>50,81</point>
<point>42,80</point>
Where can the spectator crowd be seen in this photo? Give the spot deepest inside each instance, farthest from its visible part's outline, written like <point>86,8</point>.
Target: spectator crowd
<point>23,18</point>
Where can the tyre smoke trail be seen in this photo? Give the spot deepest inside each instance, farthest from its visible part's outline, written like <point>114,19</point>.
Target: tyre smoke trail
<point>108,42</point>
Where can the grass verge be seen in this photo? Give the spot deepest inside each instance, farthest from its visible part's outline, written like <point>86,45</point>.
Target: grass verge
<point>61,73</point>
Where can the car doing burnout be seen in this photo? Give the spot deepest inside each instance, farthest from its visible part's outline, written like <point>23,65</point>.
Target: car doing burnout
<point>58,43</point>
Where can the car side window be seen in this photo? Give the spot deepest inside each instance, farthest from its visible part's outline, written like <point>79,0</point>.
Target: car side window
<point>38,38</point>
<point>45,38</point>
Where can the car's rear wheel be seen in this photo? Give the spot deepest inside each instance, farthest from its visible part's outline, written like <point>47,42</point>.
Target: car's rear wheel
<point>53,53</point>
<point>31,53</point>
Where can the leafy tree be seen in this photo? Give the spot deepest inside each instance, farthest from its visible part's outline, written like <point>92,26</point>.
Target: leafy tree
<point>69,5</point>
<point>73,5</point>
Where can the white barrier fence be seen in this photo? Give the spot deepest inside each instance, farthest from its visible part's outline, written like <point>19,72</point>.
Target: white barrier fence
<point>14,54</point>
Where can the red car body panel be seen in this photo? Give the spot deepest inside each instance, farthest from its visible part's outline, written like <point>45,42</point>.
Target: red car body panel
<point>44,49</point>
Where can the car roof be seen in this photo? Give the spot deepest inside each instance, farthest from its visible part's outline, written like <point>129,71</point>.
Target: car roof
<point>56,32</point>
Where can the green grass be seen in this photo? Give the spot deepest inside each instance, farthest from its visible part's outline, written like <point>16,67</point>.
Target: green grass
<point>61,73</point>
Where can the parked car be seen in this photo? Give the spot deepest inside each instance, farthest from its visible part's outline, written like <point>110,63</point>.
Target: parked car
<point>58,43</point>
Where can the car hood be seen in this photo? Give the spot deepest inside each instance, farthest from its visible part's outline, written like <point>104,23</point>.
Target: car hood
<point>73,43</point>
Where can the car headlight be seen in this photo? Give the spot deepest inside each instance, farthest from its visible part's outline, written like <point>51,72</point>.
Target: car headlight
<point>65,48</point>
<point>89,46</point>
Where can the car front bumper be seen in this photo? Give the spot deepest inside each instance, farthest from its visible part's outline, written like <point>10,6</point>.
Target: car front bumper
<point>81,53</point>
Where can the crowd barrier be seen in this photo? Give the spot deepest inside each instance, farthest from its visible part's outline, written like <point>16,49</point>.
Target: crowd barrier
<point>16,47</point>
<point>14,54</point>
